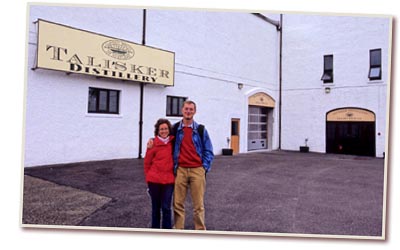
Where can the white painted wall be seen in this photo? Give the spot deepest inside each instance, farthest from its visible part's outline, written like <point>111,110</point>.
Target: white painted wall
<point>307,38</point>
<point>58,127</point>
<point>214,51</point>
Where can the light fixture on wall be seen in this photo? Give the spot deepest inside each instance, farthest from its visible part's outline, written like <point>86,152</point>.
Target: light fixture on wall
<point>327,90</point>
<point>240,85</point>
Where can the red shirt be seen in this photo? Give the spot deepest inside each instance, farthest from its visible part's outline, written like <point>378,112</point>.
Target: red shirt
<point>158,162</point>
<point>188,156</point>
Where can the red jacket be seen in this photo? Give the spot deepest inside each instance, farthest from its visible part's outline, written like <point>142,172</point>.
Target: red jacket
<point>158,162</point>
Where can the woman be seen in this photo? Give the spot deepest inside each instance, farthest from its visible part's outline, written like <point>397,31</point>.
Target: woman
<point>159,173</point>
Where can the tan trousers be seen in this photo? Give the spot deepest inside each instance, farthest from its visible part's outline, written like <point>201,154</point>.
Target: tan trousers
<point>195,180</point>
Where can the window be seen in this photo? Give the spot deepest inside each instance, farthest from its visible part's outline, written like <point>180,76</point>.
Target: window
<point>375,64</point>
<point>327,76</point>
<point>174,105</point>
<point>105,101</point>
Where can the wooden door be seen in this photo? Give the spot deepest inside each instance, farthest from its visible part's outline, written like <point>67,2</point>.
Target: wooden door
<point>353,138</point>
<point>235,131</point>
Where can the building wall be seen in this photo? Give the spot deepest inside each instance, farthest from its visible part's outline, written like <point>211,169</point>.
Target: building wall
<point>58,127</point>
<point>306,39</point>
<point>213,53</point>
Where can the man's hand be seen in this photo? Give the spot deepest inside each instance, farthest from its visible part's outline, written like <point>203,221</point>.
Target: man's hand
<point>150,143</point>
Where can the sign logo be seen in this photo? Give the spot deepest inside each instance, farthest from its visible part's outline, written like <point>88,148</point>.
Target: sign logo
<point>118,49</point>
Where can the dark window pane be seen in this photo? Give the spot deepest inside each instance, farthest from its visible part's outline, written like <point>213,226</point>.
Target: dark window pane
<point>254,110</point>
<point>181,101</point>
<point>169,111</point>
<point>253,127</point>
<point>253,135</point>
<point>253,118</point>
<point>175,106</point>
<point>328,62</point>
<point>235,128</point>
<point>113,102</point>
<point>263,119</point>
<point>92,100</point>
<point>375,56</point>
<point>103,100</point>
<point>263,128</point>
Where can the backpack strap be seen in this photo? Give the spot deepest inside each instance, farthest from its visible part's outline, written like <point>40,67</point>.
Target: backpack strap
<point>201,131</point>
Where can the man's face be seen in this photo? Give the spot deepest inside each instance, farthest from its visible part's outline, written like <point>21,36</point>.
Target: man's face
<point>188,111</point>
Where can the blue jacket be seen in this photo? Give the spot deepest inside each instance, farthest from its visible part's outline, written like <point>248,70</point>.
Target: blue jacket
<point>203,146</point>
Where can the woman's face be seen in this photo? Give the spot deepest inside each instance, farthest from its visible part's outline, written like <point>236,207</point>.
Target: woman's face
<point>163,130</point>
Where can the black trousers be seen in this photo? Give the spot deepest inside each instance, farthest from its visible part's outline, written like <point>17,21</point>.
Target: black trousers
<point>161,198</point>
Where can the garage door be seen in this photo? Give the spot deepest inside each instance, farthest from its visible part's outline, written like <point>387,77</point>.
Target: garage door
<point>350,131</point>
<point>257,130</point>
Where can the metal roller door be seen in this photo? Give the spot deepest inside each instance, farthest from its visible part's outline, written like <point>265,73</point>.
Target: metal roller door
<point>257,129</point>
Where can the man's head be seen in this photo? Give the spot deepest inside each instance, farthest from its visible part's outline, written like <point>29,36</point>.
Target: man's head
<point>188,110</point>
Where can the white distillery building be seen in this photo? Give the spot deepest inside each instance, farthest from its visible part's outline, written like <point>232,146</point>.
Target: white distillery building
<point>260,81</point>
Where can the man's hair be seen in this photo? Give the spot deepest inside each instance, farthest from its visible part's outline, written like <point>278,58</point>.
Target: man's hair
<point>189,102</point>
<point>159,123</point>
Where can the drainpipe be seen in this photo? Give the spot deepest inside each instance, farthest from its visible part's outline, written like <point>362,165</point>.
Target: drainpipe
<point>280,82</point>
<point>142,92</point>
<point>268,20</point>
<point>278,25</point>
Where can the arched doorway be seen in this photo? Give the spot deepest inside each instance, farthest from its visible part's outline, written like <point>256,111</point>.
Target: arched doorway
<point>260,110</point>
<point>350,131</point>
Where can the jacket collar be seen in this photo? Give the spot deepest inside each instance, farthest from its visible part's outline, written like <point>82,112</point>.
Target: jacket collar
<point>157,141</point>
<point>194,125</point>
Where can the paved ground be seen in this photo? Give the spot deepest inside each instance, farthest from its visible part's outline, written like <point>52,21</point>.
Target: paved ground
<point>277,192</point>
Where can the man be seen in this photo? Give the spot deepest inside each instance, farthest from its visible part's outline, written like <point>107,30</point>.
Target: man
<point>193,155</point>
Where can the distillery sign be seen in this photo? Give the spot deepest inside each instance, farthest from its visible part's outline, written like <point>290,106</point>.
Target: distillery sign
<point>76,51</point>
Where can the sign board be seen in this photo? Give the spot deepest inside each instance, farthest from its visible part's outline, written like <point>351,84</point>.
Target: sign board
<point>350,114</point>
<point>261,99</point>
<point>77,51</point>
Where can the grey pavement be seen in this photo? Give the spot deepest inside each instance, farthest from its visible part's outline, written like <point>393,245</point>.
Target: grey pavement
<point>271,192</point>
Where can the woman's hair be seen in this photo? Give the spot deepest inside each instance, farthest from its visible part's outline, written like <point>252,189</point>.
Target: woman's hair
<point>158,124</point>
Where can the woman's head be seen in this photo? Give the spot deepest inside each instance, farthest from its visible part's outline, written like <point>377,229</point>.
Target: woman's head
<point>162,128</point>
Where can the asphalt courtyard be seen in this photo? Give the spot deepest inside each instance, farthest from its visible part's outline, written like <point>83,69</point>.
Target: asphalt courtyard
<point>269,192</point>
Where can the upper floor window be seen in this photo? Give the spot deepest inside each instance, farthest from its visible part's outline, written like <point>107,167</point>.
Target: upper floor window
<point>105,101</point>
<point>375,64</point>
<point>327,76</point>
<point>174,105</point>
